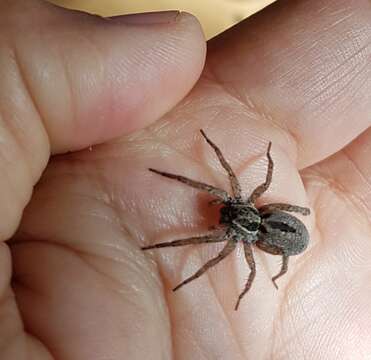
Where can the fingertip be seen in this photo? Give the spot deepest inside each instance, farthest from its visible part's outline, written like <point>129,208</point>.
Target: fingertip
<point>101,78</point>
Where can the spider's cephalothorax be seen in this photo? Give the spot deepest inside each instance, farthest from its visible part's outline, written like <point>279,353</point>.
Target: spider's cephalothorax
<point>269,227</point>
<point>243,219</point>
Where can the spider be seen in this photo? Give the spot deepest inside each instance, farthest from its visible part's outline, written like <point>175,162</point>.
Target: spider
<point>268,227</point>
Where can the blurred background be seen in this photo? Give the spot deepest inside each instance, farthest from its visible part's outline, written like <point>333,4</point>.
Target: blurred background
<point>214,15</point>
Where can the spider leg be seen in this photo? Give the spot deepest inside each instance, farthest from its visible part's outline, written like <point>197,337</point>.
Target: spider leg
<point>285,207</point>
<point>251,262</point>
<point>285,261</point>
<point>195,184</point>
<point>263,187</point>
<point>228,248</point>
<point>189,241</point>
<point>236,187</point>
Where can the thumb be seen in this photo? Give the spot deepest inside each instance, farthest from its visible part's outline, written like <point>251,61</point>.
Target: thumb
<point>70,80</point>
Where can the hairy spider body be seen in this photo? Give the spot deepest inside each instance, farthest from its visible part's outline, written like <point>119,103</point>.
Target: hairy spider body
<point>282,234</point>
<point>269,227</point>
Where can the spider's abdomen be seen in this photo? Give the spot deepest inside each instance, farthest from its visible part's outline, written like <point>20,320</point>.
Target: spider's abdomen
<point>282,233</point>
<point>242,216</point>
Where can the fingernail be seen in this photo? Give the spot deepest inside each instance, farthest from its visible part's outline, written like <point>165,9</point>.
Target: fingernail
<point>150,18</point>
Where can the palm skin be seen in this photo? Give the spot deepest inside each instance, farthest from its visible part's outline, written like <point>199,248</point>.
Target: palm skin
<point>83,289</point>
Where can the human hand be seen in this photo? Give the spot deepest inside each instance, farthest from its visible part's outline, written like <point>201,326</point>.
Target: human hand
<point>294,74</point>
<point>70,81</point>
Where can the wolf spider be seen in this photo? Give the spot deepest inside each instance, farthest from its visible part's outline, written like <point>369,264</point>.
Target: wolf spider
<point>269,227</point>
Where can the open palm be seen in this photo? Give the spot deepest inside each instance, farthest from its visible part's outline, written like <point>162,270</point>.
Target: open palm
<point>297,74</point>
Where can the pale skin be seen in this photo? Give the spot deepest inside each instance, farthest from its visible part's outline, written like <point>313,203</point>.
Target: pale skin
<point>81,286</point>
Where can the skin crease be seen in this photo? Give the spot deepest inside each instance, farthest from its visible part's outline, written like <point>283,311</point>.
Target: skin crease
<point>296,74</point>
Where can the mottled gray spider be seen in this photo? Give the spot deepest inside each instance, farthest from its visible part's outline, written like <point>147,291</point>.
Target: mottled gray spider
<point>269,227</point>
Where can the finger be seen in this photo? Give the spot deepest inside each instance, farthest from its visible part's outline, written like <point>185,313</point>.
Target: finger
<point>302,67</point>
<point>346,174</point>
<point>75,80</point>
<point>90,79</point>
